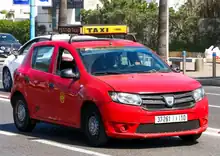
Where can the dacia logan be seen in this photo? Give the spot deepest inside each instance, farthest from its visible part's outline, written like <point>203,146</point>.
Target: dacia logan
<point>108,88</point>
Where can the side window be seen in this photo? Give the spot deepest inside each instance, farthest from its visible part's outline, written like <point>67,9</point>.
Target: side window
<point>65,60</point>
<point>41,58</point>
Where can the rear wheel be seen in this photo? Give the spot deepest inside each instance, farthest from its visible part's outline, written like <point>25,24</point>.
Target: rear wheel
<point>22,120</point>
<point>7,79</point>
<point>93,127</point>
<point>191,138</point>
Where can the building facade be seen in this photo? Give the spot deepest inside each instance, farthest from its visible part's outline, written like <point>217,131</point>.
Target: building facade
<point>48,16</point>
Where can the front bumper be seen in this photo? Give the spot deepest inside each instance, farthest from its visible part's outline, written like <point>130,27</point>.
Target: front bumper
<point>125,121</point>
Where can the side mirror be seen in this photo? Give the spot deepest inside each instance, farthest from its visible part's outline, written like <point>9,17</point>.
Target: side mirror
<point>175,68</point>
<point>69,74</point>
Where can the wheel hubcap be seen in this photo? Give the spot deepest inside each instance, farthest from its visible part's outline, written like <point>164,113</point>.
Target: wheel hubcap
<point>21,111</point>
<point>7,79</point>
<point>93,125</point>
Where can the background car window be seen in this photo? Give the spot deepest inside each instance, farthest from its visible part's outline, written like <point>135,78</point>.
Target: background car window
<point>7,38</point>
<point>42,57</point>
<point>65,60</point>
<point>25,50</point>
<point>28,45</point>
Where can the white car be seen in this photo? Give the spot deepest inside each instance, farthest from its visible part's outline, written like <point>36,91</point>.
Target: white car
<point>13,61</point>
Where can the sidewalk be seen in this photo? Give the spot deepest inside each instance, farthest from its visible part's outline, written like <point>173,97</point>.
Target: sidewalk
<point>205,76</point>
<point>207,71</point>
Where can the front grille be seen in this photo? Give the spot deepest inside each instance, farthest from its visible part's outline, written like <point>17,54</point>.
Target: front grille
<point>166,128</point>
<point>182,100</point>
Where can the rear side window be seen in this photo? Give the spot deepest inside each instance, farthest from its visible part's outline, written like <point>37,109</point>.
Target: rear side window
<point>41,58</point>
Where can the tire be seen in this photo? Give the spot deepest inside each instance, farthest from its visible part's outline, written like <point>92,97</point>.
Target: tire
<point>96,137</point>
<point>7,80</point>
<point>191,138</point>
<point>23,122</point>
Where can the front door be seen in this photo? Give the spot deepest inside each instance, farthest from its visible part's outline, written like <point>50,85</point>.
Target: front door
<point>38,78</point>
<point>65,90</point>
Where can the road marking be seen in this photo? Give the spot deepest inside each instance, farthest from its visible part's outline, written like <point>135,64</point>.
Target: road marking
<point>213,129</point>
<point>4,99</point>
<point>216,87</point>
<point>7,133</point>
<point>4,96</point>
<point>214,106</point>
<point>68,147</point>
<point>212,132</point>
<point>213,94</point>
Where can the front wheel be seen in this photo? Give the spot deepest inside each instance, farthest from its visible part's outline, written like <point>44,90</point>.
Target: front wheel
<point>7,79</point>
<point>191,138</point>
<point>93,127</point>
<point>22,120</point>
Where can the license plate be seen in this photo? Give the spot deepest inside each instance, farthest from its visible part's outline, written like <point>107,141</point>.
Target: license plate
<point>171,118</point>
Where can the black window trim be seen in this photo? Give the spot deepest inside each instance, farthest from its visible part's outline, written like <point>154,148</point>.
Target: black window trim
<point>55,66</point>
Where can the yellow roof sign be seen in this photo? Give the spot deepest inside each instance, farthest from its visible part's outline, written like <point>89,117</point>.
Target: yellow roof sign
<point>104,29</point>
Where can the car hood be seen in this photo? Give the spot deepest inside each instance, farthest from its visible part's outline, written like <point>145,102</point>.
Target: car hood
<point>8,44</point>
<point>151,82</point>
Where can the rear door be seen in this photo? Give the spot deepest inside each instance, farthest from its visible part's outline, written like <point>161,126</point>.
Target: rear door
<point>38,78</point>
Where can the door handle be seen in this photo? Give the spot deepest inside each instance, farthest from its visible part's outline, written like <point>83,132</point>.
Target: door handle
<point>51,85</point>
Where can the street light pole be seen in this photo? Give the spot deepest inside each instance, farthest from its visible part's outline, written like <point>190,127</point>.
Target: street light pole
<point>32,19</point>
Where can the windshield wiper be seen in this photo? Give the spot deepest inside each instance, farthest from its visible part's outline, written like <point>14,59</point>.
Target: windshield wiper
<point>159,71</point>
<point>155,71</point>
<point>106,73</point>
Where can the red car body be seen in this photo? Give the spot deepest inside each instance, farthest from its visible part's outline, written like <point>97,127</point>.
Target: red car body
<point>119,120</point>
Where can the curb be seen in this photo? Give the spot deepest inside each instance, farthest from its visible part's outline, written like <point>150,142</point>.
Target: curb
<point>209,81</point>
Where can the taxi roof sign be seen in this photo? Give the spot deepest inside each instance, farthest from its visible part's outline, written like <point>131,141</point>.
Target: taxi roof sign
<point>104,29</point>
<point>94,29</point>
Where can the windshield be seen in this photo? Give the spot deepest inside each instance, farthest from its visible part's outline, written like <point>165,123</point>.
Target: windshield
<point>121,60</point>
<point>7,38</point>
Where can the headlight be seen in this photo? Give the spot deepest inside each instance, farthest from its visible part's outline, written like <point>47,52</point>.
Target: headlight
<point>126,98</point>
<point>2,48</point>
<point>198,94</point>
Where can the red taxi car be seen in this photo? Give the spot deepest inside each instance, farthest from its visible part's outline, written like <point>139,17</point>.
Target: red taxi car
<point>109,88</point>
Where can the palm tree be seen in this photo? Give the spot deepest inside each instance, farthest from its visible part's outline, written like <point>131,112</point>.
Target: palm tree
<point>62,13</point>
<point>162,30</point>
<point>10,15</point>
<point>206,8</point>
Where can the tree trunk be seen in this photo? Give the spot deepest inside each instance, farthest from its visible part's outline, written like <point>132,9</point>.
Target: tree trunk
<point>163,39</point>
<point>63,13</point>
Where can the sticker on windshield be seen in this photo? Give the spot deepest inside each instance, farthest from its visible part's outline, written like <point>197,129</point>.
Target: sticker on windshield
<point>62,97</point>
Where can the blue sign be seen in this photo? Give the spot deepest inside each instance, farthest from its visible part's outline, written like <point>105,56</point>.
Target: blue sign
<point>22,2</point>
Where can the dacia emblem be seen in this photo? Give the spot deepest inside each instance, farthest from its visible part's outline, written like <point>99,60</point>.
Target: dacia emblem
<point>169,101</point>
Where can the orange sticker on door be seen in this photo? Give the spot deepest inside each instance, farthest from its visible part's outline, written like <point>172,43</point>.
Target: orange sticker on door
<point>62,97</point>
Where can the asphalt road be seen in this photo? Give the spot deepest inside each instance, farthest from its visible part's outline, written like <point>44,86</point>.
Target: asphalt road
<point>55,140</point>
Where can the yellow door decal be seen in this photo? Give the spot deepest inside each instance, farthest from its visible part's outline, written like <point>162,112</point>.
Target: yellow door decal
<point>62,97</point>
